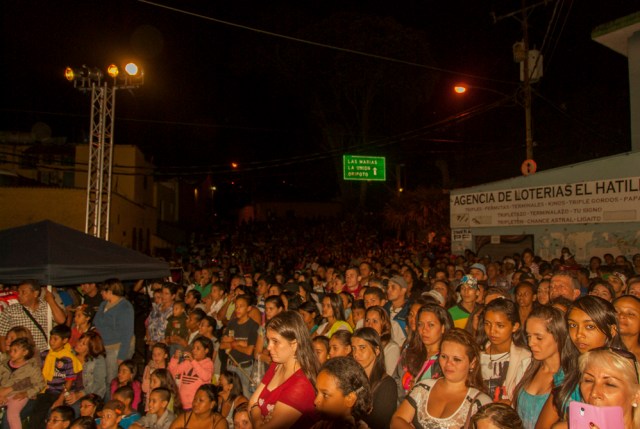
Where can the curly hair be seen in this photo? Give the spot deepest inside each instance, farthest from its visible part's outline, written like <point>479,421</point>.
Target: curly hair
<point>351,378</point>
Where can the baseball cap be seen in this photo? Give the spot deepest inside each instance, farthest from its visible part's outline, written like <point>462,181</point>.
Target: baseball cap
<point>436,295</point>
<point>400,281</point>
<point>479,267</point>
<point>469,281</point>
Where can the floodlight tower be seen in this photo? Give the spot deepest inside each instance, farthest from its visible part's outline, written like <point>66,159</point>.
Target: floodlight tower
<point>103,103</point>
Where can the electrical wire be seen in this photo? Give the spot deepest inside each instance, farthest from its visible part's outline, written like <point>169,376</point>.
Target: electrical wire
<point>322,45</point>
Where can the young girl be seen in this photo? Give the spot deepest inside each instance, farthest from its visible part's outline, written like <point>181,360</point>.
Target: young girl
<point>82,322</point>
<point>496,416</point>
<point>309,312</point>
<point>358,313</point>
<point>333,313</point>
<point>504,358</point>
<point>241,419</point>
<point>192,369</point>
<point>591,322</point>
<point>272,305</point>
<point>90,405</point>
<point>230,395</point>
<point>14,333</point>
<point>162,378</point>
<point>20,379</point>
<point>340,344</point>
<point>159,358</point>
<point>369,353</point>
<point>127,376</point>
<point>321,348</point>
<point>378,319</point>
<point>344,395</point>
<point>547,337</point>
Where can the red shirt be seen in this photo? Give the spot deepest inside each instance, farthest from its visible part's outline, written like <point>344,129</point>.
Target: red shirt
<point>296,392</point>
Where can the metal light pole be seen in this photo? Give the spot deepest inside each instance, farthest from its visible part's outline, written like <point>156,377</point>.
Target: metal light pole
<point>103,102</point>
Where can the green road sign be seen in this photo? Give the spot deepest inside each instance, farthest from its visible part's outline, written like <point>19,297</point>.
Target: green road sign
<point>356,167</point>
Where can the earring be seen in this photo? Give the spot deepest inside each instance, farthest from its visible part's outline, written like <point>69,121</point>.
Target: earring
<point>634,405</point>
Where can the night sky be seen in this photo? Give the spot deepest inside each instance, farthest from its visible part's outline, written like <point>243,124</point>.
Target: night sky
<point>216,93</point>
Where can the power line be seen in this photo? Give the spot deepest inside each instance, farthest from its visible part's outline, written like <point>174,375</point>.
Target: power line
<point>322,45</point>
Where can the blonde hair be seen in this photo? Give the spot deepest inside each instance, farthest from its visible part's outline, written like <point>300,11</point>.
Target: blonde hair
<point>613,360</point>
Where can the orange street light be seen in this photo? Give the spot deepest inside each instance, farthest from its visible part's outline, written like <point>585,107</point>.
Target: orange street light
<point>460,89</point>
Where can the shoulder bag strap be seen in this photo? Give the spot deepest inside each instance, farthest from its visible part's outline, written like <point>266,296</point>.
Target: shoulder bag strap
<point>35,322</point>
<point>472,401</point>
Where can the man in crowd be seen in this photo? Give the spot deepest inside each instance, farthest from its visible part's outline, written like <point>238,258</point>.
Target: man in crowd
<point>32,312</point>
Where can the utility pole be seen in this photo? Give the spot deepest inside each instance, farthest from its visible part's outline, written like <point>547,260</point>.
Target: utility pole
<point>527,84</point>
<point>530,72</point>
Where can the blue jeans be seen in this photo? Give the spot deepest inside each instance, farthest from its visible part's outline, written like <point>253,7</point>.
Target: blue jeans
<point>244,373</point>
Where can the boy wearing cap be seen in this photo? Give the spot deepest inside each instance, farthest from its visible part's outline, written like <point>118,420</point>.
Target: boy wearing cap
<point>398,307</point>
<point>468,294</point>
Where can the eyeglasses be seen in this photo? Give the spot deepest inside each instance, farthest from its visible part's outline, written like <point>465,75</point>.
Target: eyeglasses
<point>625,354</point>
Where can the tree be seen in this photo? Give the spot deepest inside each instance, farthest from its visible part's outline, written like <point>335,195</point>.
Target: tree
<point>412,212</point>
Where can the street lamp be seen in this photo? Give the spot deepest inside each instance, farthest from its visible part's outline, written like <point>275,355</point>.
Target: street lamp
<point>461,88</point>
<point>103,99</point>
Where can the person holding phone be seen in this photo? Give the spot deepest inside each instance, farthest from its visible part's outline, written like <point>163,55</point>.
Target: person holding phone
<point>609,378</point>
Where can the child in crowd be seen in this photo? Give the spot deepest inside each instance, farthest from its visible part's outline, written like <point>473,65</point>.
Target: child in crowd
<point>163,378</point>
<point>344,394</point>
<point>20,379</point>
<point>90,405</point>
<point>127,377</point>
<point>158,416</point>
<point>241,418</point>
<point>111,415</point>
<point>82,322</point>
<point>13,334</point>
<point>83,423</point>
<point>125,395</point>
<point>504,358</point>
<point>60,418</point>
<point>358,312</point>
<point>177,324</point>
<point>496,416</point>
<point>340,344</point>
<point>60,370</point>
<point>320,346</point>
<point>159,358</point>
<point>192,369</point>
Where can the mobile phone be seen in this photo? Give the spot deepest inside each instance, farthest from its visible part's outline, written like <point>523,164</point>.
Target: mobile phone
<point>581,415</point>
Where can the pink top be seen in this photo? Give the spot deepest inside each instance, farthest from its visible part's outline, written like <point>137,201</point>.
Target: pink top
<point>296,392</point>
<point>137,391</point>
<point>190,375</point>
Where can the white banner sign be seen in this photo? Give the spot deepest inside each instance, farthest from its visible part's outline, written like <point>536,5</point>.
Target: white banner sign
<point>599,201</point>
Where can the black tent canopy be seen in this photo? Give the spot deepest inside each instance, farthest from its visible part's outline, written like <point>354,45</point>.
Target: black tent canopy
<point>57,255</point>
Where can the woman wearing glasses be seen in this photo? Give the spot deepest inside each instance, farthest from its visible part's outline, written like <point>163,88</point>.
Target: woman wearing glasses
<point>610,379</point>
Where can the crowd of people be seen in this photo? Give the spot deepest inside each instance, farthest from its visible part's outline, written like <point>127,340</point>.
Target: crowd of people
<point>257,336</point>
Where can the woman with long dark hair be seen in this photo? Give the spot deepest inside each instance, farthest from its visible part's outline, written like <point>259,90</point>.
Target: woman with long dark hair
<point>548,337</point>
<point>334,316</point>
<point>420,358</point>
<point>203,415</point>
<point>591,322</point>
<point>230,396</point>
<point>504,356</point>
<point>377,318</point>
<point>369,353</point>
<point>285,397</point>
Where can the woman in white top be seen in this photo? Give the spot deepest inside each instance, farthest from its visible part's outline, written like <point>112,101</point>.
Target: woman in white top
<point>448,402</point>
